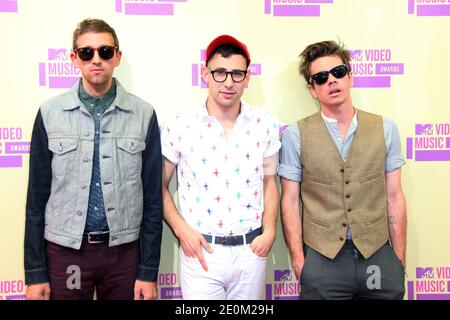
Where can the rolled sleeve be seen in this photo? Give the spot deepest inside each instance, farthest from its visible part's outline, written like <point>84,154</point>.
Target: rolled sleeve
<point>394,157</point>
<point>274,143</point>
<point>169,142</point>
<point>290,166</point>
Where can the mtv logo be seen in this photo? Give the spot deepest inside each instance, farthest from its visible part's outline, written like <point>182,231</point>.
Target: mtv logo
<point>424,273</point>
<point>424,129</point>
<point>282,275</point>
<point>58,54</point>
<point>356,55</point>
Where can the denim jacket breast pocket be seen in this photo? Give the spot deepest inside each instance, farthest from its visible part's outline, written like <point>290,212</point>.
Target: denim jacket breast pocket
<point>130,156</point>
<point>63,154</point>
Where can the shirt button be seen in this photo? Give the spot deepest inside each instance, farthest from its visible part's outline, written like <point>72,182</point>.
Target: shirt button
<point>95,209</point>
<point>97,184</point>
<point>98,114</point>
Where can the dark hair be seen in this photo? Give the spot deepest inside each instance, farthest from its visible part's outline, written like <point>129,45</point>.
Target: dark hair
<point>93,25</point>
<point>321,49</point>
<point>227,50</point>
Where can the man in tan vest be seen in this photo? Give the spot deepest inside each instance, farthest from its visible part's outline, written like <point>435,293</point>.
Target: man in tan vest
<point>344,165</point>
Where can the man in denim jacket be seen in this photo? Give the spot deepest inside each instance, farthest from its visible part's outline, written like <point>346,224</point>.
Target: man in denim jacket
<point>94,203</point>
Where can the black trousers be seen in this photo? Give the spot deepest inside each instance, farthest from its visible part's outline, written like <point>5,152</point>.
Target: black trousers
<point>110,271</point>
<point>350,276</point>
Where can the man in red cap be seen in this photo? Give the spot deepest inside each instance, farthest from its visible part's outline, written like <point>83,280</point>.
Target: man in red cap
<point>226,155</point>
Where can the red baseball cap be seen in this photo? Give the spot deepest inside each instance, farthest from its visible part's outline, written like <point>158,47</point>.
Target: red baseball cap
<point>226,39</point>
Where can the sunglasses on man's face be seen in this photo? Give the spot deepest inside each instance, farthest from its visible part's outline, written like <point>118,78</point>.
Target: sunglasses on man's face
<point>87,53</point>
<point>337,72</point>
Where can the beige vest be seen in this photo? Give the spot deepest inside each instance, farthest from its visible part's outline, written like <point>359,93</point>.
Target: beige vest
<point>338,194</point>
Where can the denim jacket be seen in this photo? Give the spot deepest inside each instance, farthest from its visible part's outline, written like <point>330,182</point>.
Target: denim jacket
<point>61,155</point>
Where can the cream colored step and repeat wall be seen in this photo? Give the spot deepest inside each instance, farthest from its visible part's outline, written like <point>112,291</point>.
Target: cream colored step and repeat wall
<point>401,64</point>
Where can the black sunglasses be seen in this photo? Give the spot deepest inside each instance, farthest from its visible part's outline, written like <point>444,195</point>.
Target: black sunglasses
<point>337,72</point>
<point>87,53</point>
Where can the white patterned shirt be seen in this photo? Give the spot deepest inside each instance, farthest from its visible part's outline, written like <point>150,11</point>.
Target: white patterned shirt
<point>220,179</point>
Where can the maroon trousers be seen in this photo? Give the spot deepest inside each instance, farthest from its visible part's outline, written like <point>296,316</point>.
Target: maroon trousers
<point>110,271</point>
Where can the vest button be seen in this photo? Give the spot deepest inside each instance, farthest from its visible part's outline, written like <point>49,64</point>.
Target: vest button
<point>341,238</point>
<point>347,195</point>
<point>349,209</point>
<point>344,224</point>
<point>347,181</point>
<point>342,169</point>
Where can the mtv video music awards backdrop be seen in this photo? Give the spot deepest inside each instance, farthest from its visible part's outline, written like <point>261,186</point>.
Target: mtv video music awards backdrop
<point>401,66</point>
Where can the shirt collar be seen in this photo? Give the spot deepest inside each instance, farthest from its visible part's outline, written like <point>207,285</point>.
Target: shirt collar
<point>245,112</point>
<point>121,101</point>
<point>330,120</point>
<point>85,96</point>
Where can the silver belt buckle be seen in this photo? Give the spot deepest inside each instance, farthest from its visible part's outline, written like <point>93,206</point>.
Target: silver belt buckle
<point>95,233</point>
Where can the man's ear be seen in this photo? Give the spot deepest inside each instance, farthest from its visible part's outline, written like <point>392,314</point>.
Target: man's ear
<point>205,76</point>
<point>74,58</point>
<point>118,58</point>
<point>312,90</point>
<point>350,75</point>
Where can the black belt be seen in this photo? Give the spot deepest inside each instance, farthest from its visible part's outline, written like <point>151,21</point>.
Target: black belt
<point>97,236</point>
<point>234,240</point>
